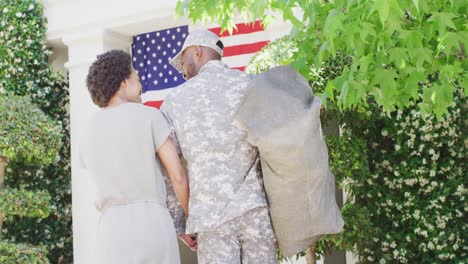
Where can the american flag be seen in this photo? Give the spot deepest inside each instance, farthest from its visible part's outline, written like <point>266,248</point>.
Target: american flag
<point>151,53</point>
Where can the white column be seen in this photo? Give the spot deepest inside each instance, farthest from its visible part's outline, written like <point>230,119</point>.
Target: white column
<point>82,51</point>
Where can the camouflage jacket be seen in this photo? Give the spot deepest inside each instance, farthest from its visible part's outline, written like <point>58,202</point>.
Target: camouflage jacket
<point>223,168</point>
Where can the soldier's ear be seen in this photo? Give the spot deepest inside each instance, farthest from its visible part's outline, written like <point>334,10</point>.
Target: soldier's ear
<point>198,51</point>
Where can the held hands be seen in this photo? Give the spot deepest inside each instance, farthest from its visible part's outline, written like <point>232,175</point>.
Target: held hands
<point>190,241</point>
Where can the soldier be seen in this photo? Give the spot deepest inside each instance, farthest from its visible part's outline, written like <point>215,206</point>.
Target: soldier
<point>228,209</point>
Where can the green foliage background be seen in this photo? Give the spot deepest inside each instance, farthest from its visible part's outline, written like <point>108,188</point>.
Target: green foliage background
<point>24,70</point>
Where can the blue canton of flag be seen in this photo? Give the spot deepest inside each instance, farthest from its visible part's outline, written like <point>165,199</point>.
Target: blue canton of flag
<point>151,53</point>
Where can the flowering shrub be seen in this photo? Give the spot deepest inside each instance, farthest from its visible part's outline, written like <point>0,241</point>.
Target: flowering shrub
<point>417,185</point>
<point>24,70</point>
<point>406,173</point>
<point>278,52</point>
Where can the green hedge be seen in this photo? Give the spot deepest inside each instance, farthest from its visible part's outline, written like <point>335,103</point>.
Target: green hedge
<point>24,203</point>
<point>22,254</point>
<point>26,133</point>
<point>24,70</point>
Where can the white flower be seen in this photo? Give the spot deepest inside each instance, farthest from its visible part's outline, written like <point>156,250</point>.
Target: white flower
<point>411,182</point>
<point>384,133</point>
<point>430,245</point>
<point>397,147</point>
<point>31,7</point>
<point>5,10</point>
<point>441,225</point>
<point>423,181</point>
<point>416,214</point>
<point>19,14</point>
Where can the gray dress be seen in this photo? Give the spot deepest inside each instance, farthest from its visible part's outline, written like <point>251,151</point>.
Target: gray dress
<point>118,149</point>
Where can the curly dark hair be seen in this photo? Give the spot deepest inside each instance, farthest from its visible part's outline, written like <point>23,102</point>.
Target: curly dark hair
<point>106,74</point>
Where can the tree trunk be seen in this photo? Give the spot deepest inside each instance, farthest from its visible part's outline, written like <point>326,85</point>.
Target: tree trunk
<point>310,257</point>
<point>3,164</point>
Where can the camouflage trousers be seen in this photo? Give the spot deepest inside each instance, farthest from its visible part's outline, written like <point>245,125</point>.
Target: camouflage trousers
<point>248,239</point>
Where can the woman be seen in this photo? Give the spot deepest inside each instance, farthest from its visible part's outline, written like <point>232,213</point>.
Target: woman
<point>123,149</point>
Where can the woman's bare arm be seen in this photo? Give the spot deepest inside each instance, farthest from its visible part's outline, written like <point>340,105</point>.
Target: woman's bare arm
<point>170,160</point>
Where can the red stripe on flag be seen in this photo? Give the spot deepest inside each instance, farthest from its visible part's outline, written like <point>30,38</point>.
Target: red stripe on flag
<point>241,29</point>
<point>244,48</point>
<point>156,104</point>
<point>241,68</point>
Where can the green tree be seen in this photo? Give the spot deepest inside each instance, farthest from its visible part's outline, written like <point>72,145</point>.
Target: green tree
<point>394,45</point>
<point>25,70</point>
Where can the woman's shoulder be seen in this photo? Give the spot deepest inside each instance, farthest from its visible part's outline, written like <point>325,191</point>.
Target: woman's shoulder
<point>144,110</point>
<point>141,107</point>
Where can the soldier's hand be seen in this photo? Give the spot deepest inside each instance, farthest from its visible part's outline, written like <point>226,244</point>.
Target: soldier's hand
<point>190,241</point>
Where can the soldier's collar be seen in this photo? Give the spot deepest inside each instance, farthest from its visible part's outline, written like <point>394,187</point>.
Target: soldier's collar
<point>212,63</point>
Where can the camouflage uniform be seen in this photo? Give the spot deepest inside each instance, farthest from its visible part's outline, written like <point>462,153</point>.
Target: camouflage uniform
<point>247,239</point>
<point>226,189</point>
